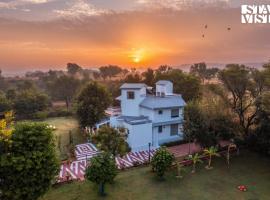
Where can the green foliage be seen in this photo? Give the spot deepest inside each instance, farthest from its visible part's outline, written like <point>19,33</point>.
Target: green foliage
<point>133,78</point>
<point>102,170</point>
<point>111,140</point>
<point>195,159</point>
<point>28,102</point>
<point>73,68</point>
<point>109,71</point>
<point>189,86</point>
<point>260,140</point>
<point>211,151</point>
<point>149,77</point>
<point>201,70</point>
<point>29,166</point>
<point>64,88</point>
<point>195,126</point>
<point>244,85</point>
<point>6,128</point>
<point>92,102</point>
<point>207,126</point>
<point>5,104</point>
<point>161,161</point>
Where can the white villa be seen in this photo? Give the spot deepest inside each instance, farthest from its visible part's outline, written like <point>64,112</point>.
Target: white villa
<point>150,118</point>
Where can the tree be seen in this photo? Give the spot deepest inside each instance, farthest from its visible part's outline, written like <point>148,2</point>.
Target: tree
<point>6,128</point>
<point>109,71</point>
<point>161,161</point>
<point>260,140</point>
<point>133,78</point>
<point>210,152</point>
<point>189,86</point>
<point>228,155</point>
<point>26,85</point>
<point>5,104</point>
<point>3,82</point>
<point>29,166</point>
<point>149,77</point>
<point>111,140</point>
<point>73,68</point>
<point>92,102</point>
<point>244,86</point>
<point>195,159</point>
<point>28,102</point>
<point>163,69</point>
<point>201,70</point>
<point>102,170</point>
<point>64,88</point>
<point>180,169</point>
<point>11,94</point>
<point>195,126</point>
<point>207,121</point>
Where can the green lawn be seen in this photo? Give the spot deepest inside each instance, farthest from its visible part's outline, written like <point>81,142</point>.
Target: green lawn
<point>219,183</point>
<point>63,126</point>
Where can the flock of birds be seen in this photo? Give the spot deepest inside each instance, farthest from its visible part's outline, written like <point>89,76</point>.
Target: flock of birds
<point>206,26</point>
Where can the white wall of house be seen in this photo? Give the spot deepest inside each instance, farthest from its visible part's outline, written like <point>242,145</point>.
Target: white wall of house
<point>165,136</point>
<point>139,136</point>
<point>147,112</point>
<point>165,116</point>
<point>130,107</point>
<point>116,123</point>
<point>155,116</point>
<point>165,89</point>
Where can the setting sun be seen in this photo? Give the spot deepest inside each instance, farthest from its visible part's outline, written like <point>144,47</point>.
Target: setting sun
<point>136,60</point>
<point>137,55</point>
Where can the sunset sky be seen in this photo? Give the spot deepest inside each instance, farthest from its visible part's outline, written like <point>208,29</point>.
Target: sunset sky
<point>43,34</point>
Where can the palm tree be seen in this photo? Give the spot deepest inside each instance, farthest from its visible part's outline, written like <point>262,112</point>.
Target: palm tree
<point>195,159</point>
<point>212,151</point>
<point>230,146</point>
<point>180,169</point>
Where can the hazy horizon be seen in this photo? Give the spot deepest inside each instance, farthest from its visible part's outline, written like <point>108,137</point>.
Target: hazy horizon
<point>47,34</point>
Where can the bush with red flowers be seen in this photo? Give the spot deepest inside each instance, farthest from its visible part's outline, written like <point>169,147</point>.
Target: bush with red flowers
<point>242,188</point>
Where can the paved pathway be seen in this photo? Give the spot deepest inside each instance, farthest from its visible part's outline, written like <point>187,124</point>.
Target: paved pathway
<point>183,149</point>
<point>84,152</point>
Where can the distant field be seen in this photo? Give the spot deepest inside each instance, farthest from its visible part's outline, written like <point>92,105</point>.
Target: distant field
<point>63,126</point>
<point>220,183</point>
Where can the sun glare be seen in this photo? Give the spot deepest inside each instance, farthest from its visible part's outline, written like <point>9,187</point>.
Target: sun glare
<point>137,55</point>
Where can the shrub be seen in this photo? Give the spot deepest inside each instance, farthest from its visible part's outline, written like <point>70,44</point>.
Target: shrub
<point>102,170</point>
<point>60,113</point>
<point>40,115</point>
<point>161,161</point>
<point>29,166</point>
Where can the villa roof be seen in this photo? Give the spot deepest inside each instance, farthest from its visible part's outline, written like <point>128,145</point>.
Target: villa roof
<point>133,120</point>
<point>156,102</point>
<point>133,86</point>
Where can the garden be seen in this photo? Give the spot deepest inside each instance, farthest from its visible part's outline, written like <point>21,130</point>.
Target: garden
<point>248,169</point>
<point>67,134</point>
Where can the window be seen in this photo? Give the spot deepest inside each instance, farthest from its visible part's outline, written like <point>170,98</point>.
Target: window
<point>160,129</point>
<point>160,112</point>
<point>130,95</point>
<point>174,129</point>
<point>174,113</point>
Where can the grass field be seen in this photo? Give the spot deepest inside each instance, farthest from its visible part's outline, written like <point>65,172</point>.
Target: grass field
<point>219,183</point>
<point>63,126</point>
